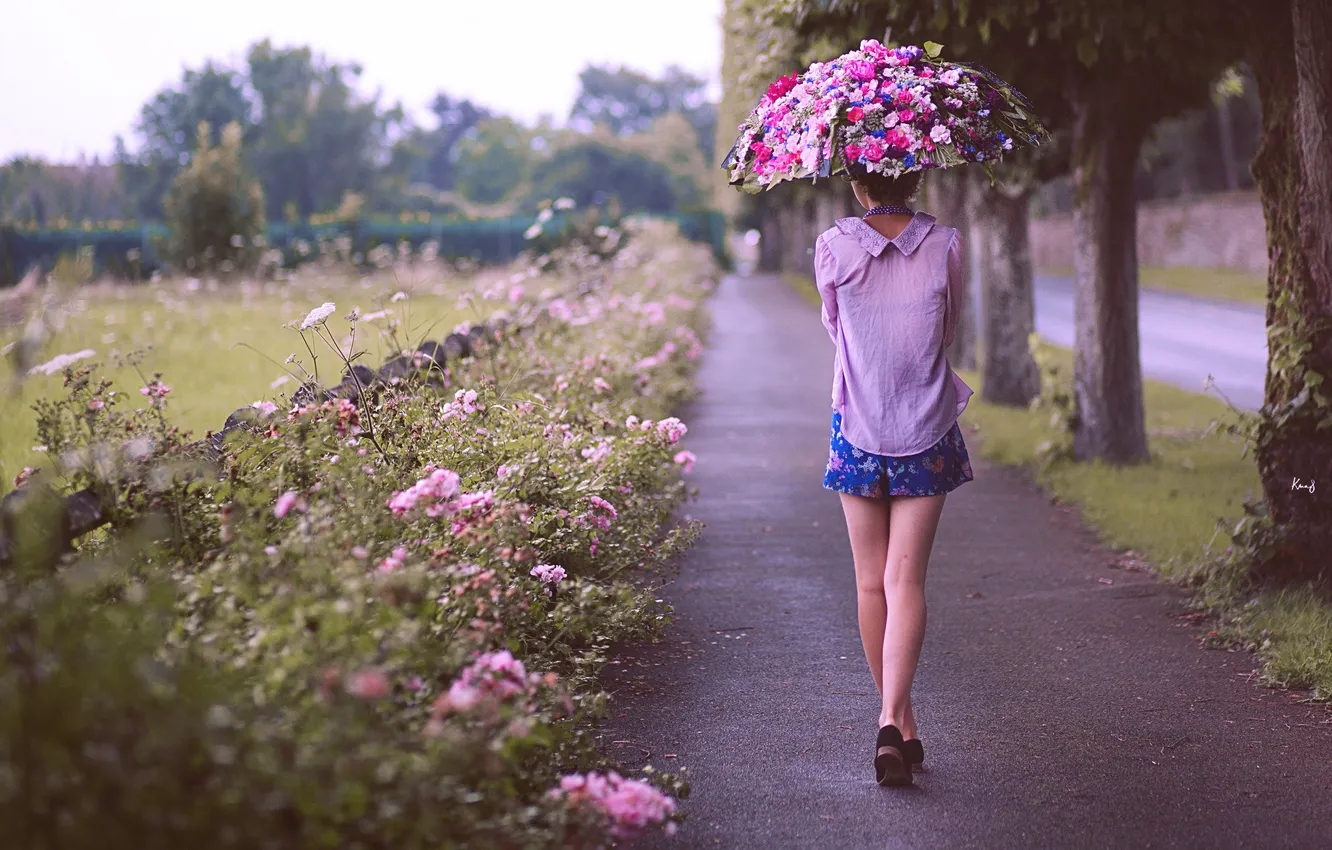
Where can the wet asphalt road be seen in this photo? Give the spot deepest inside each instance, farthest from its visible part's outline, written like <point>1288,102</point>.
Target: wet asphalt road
<point>1057,710</point>
<point>1182,339</point>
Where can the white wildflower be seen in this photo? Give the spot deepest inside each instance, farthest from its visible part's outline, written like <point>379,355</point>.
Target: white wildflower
<point>60,362</point>
<point>318,314</point>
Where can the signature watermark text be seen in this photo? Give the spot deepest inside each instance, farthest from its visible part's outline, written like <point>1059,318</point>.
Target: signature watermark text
<point>1297,484</point>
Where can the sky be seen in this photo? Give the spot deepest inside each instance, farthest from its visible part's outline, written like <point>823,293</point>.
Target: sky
<point>74,73</point>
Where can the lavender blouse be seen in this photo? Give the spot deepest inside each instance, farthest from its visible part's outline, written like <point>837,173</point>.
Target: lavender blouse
<point>891,314</point>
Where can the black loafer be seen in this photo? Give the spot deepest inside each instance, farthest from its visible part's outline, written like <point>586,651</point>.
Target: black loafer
<point>890,764</point>
<point>913,752</point>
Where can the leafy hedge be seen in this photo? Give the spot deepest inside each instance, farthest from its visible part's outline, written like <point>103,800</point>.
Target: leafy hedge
<point>135,253</point>
<point>375,624</point>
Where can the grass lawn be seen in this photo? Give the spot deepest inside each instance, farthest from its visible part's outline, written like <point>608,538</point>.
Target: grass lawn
<point>1167,510</point>
<point>219,347</point>
<point>1221,284</point>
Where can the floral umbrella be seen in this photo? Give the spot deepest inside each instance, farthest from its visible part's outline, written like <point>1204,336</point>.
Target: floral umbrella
<point>888,111</point>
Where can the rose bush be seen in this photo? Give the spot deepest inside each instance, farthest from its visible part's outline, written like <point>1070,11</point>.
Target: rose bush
<point>370,624</point>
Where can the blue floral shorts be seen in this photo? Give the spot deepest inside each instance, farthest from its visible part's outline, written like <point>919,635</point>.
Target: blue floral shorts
<point>942,467</point>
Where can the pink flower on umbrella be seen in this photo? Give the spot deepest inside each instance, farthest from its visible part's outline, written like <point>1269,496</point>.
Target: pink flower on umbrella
<point>860,69</point>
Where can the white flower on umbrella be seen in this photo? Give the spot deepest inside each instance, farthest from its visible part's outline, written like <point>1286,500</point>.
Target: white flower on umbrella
<point>318,314</point>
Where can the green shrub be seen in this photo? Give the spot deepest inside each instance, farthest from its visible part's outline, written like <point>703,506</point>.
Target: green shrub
<point>563,236</point>
<point>339,636</point>
<point>214,209</point>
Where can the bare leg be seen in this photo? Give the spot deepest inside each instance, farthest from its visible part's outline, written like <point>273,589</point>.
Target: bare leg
<point>867,526</point>
<point>915,519</point>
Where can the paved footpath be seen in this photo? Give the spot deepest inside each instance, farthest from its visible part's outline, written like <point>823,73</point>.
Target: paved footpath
<point>1056,710</point>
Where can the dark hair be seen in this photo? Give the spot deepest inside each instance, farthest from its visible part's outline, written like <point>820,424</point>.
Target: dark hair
<point>883,189</point>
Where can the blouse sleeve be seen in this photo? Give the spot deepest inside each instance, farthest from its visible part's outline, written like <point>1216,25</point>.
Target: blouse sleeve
<point>825,279</point>
<point>956,291</point>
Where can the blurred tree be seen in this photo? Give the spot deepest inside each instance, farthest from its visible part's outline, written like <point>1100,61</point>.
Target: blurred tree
<point>670,142</point>
<point>592,173</point>
<point>32,190</point>
<point>494,161</point>
<point>166,128</point>
<point>759,44</point>
<point>456,119</point>
<point>315,138</point>
<point>215,209</point>
<point>629,101</point>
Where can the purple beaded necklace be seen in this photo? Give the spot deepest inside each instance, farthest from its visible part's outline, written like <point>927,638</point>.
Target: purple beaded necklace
<point>890,209</point>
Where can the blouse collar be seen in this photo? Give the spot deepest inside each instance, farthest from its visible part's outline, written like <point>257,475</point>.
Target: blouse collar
<point>874,242</point>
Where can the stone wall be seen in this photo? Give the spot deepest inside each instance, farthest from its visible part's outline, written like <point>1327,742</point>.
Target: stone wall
<point>1216,231</point>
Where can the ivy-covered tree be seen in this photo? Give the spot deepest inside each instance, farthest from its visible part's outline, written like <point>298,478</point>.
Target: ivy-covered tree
<point>1290,51</point>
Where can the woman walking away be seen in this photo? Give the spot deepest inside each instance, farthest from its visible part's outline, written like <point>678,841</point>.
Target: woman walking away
<point>891,285</point>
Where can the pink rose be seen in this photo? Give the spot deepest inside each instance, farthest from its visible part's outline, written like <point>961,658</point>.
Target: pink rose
<point>874,153</point>
<point>368,685</point>
<point>284,504</point>
<point>855,113</point>
<point>685,459</point>
<point>860,69</point>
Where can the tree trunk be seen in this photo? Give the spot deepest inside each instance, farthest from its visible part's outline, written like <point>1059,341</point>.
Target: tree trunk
<point>1226,136</point>
<point>950,195</point>
<point>1010,375</point>
<point>771,236</point>
<point>803,255</point>
<point>1107,371</point>
<point>1292,62</point>
<point>794,230</point>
